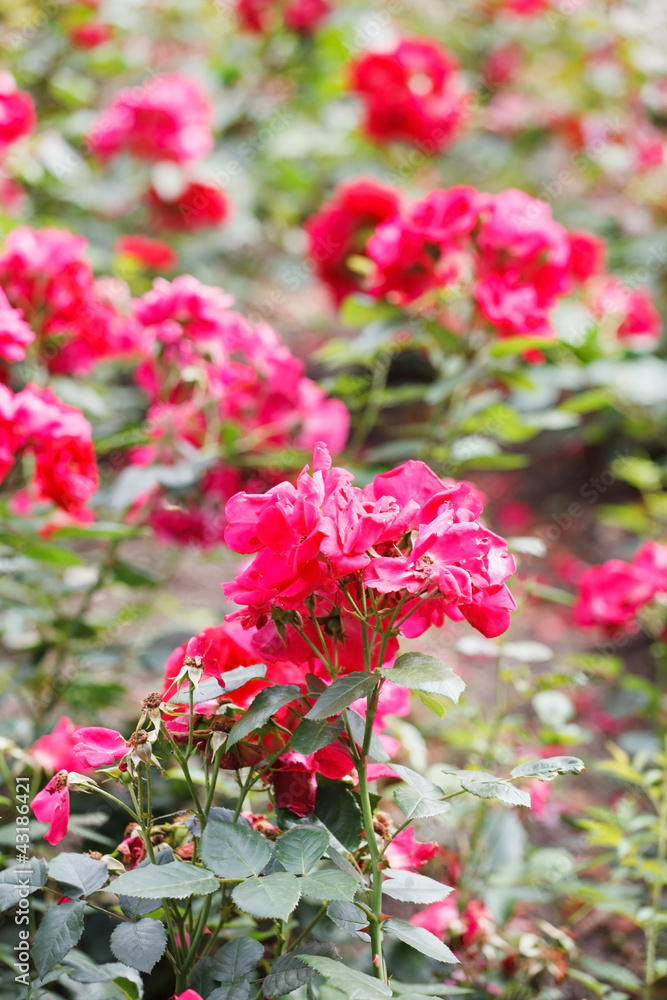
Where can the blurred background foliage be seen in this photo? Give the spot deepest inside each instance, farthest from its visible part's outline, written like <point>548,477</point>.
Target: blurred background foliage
<point>566,101</point>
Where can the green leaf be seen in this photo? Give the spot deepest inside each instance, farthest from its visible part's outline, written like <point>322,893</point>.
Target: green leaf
<point>236,959</point>
<point>132,576</point>
<point>548,768</point>
<point>134,908</point>
<point>310,736</point>
<point>487,786</point>
<point>588,401</point>
<point>619,975</point>
<point>214,688</point>
<point>420,672</point>
<point>422,798</point>
<point>239,676</point>
<point>358,729</point>
<point>421,940</point>
<point>58,933</point>
<point>288,972</point>
<point>427,990</point>
<point>338,809</point>
<point>424,996</point>
<point>52,554</point>
<point>85,970</point>
<point>127,987</point>
<point>231,991</point>
<point>410,887</point>
<point>273,896</point>
<point>341,693</point>
<point>345,866</point>
<point>16,883</point>
<point>139,945</point>
<point>100,529</point>
<point>201,979</point>
<point>348,916</point>
<point>357,311</point>
<point>263,707</point>
<point>79,874</point>
<point>355,985</point>
<point>300,849</point>
<point>171,881</point>
<point>518,345</point>
<point>506,460</point>
<point>74,629</point>
<point>232,850</point>
<point>434,703</point>
<point>328,884</point>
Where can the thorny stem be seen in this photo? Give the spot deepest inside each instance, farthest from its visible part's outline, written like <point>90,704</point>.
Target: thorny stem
<point>145,823</point>
<point>191,719</point>
<point>399,829</point>
<point>213,780</point>
<point>375,926</point>
<point>186,770</point>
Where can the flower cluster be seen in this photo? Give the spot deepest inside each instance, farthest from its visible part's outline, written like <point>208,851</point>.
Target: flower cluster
<point>640,323</point>
<point>166,118</point>
<point>341,228</point>
<point>501,259</point>
<point>90,34</point>
<point>15,334</point>
<point>149,253</point>
<point>261,16</point>
<point>412,94</point>
<point>525,8</point>
<point>194,205</point>
<point>616,592</point>
<point>44,273</point>
<point>36,421</point>
<point>17,112</point>
<point>409,539</point>
<point>210,374</point>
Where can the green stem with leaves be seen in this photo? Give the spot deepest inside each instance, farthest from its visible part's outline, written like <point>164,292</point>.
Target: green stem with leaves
<point>145,823</point>
<point>375,925</point>
<point>658,887</point>
<point>186,770</point>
